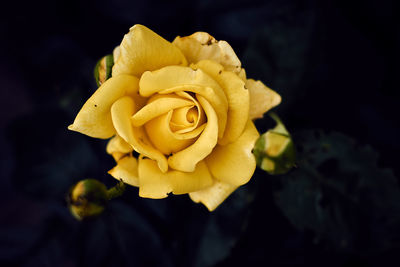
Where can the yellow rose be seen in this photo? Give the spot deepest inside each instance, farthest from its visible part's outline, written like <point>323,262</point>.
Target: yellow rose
<point>186,107</point>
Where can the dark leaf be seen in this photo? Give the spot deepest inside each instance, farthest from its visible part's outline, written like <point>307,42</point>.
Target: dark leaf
<point>224,227</point>
<point>340,193</point>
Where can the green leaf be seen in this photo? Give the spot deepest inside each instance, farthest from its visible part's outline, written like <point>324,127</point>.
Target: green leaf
<point>340,193</point>
<point>224,227</point>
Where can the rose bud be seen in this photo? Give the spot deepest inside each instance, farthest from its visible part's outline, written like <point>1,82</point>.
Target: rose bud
<point>87,198</point>
<point>102,70</point>
<point>274,150</point>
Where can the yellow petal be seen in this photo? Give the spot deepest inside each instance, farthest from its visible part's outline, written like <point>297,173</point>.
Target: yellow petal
<point>116,53</point>
<point>94,119</point>
<point>201,45</point>
<point>117,155</point>
<point>214,195</point>
<point>142,49</point>
<point>153,82</point>
<point>122,111</point>
<point>229,59</point>
<point>179,79</point>
<point>237,95</point>
<point>160,134</point>
<point>262,98</point>
<point>117,144</point>
<point>155,184</point>
<point>184,118</point>
<point>234,163</point>
<point>158,107</point>
<point>139,100</point>
<point>195,118</point>
<point>242,75</point>
<point>127,170</point>
<point>198,46</point>
<point>194,132</point>
<point>117,147</point>
<point>186,159</point>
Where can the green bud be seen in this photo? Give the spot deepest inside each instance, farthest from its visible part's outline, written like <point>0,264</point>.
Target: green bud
<point>274,150</point>
<point>87,198</point>
<point>103,68</point>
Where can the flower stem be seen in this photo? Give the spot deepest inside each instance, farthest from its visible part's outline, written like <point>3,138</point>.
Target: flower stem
<point>116,190</point>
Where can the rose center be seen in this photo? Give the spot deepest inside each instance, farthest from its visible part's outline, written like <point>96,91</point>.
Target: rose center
<point>184,118</point>
<point>192,115</point>
<point>179,126</point>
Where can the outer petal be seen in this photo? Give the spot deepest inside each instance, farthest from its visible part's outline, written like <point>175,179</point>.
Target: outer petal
<point>242,75</point>
<point>214,195</point>
<point>116,53</point>
<point>186,159</point>
<point>118,155</point>
<point>176,79</point>
<point>155,184</point>
<point>121,111</point>
<point>94,119</point>
<point>142,49</point>
<point>262,98</point>
<point>160,80</point>
<point>234,163</point>
<point>201,45</point>
<point>117,147</point>
<point>237,95</point>
<point>127,170</point>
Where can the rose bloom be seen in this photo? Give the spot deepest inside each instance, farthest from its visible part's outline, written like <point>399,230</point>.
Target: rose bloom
<point>186,107</point>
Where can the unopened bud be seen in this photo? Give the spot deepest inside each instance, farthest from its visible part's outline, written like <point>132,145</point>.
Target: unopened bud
<point>274,150</point>
<point>103,69</point>
<point>87,198</point>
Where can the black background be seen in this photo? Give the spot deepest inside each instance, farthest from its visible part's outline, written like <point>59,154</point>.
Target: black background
<point>335,63</point>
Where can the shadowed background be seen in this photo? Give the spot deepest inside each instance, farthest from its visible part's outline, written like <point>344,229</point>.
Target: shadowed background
<point>335,64</point>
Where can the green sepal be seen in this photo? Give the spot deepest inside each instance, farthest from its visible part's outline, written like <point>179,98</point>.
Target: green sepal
<point>103,69</point>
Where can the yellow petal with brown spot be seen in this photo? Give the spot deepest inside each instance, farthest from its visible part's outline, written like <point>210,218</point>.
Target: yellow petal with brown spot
<point>242,75</point>
<point>94,119</point>
<point>126,170</point>
<point>237,95</point>
<point>201,45</point>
